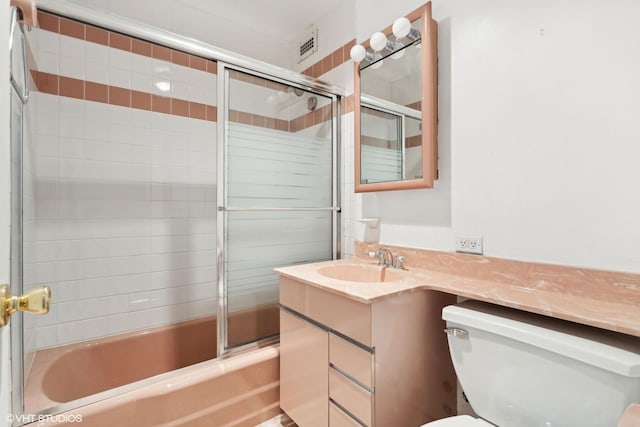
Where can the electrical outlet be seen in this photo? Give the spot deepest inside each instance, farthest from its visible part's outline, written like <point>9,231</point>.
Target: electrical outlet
<point>469,244</point>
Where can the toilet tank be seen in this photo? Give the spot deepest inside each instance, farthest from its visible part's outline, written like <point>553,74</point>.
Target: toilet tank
<point>519,369</point>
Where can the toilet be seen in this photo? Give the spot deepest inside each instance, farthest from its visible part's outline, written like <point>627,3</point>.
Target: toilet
<point>519,369</point>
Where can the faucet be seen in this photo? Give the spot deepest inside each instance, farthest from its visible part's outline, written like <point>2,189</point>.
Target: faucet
<point>385,257</point>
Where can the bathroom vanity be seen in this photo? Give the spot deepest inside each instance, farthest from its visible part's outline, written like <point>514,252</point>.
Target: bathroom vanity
<point>347,362</point>
<point>361,345</point>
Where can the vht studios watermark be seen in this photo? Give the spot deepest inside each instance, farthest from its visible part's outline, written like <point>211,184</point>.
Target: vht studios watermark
<point>49,418</point>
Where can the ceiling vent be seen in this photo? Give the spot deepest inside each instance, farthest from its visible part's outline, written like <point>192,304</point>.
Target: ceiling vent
<point>308,44</point>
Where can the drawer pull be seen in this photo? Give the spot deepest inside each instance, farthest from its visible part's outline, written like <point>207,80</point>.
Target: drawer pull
<point>339,371</point>
<point>346,413</point>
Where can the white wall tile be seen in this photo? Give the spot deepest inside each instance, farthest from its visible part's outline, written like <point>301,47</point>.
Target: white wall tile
<point>72,48</point>
<point>121,196</point>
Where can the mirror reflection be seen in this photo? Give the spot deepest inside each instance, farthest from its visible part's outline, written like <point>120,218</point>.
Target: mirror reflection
<point>391,116</point>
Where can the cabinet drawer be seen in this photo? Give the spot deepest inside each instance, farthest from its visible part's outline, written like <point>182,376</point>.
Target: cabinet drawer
<point>349,317</point>
<point>339,418</point>
<point>351,359</point>
<point>351,396</point>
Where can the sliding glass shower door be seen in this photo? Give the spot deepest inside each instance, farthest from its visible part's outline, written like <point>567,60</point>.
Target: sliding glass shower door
<point>277,194</point>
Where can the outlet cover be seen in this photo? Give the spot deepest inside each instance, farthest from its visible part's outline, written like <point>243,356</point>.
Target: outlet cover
<point>469,244</point>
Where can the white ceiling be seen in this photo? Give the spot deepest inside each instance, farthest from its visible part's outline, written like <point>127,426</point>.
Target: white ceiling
<point>282,19</point>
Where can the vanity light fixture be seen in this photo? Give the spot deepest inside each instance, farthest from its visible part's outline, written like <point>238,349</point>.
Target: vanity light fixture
<point>382,46</point>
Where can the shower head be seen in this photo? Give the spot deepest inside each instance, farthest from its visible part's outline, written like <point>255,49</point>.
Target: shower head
<point>296,90</point>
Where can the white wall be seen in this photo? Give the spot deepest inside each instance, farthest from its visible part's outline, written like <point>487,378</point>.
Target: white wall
<point>538,132</point>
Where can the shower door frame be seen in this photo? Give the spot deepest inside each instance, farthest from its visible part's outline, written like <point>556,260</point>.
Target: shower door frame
<point>222,105</point>
<point>223,57</point>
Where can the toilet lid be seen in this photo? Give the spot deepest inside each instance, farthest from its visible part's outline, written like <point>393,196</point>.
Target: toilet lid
<point>459,421</point>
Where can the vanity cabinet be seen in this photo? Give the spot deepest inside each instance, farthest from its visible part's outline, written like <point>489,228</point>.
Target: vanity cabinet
<point>346,362</point>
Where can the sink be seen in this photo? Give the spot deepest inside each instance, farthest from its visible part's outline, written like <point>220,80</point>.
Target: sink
<point>362,273</point>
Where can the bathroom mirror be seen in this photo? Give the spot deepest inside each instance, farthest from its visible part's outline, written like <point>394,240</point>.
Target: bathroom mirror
<point>396,111</point>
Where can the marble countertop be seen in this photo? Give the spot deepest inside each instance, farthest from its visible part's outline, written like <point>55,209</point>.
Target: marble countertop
<point>603,299</point>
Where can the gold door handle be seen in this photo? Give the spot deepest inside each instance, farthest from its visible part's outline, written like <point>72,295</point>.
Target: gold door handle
<point>37,301</point>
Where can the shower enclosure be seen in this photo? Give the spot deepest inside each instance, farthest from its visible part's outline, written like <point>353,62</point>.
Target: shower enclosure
<point>157,183</point>
<point>278,197</point>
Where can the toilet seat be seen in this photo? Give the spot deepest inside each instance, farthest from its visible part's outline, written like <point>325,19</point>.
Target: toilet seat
<point>459,421</point>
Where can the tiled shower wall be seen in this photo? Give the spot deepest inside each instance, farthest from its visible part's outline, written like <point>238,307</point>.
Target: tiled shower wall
<point>124,171</point>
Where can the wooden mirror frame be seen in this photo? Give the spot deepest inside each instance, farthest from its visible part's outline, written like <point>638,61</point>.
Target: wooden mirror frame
<point>429,63</point>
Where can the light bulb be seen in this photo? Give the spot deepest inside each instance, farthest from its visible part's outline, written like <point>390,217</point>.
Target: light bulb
<point>401,27</point>
<point>357,53</point>
<point>378,41</point>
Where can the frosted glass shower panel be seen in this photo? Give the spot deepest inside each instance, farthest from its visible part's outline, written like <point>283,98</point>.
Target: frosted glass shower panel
<point>278,195</point>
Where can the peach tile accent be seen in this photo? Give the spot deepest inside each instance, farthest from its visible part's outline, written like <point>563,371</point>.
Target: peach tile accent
<point>331,61</point>
<point>198,111</point>
<point>72,88</point>
<point>198,63</point>
<point>79,30</point>
<point>119,96</point>
<point>96,92</point>
<point>119,41</point>
<point>160,104</point>
<point>72,28</point>
<point>212,113</point>
<point>604,299</point>
<point>141,47</point>
<point>377,142</point>
<point>161,52</point>
<point>49,22</point>
<point>179,107</point>
<point>413,141</point>
<point>96,35</point>
<point>244,118</point>
<point>52,84</point>
<point>47,83</point>
<point>140,100</point>
<point>180,58</point>
<point>348,104</point>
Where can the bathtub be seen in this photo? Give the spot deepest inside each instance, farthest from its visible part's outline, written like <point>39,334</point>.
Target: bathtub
<point>205,392</point>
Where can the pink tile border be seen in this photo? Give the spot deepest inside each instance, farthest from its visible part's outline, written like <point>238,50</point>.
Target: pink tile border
<point>81,31</point>
<point>331,61</point>
<point>98,92</point>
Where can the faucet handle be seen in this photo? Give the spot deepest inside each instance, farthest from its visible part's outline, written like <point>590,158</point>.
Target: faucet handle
<point>399,262</point>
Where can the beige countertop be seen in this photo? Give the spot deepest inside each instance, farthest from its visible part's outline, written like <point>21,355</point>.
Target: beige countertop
<point>608,300</point>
